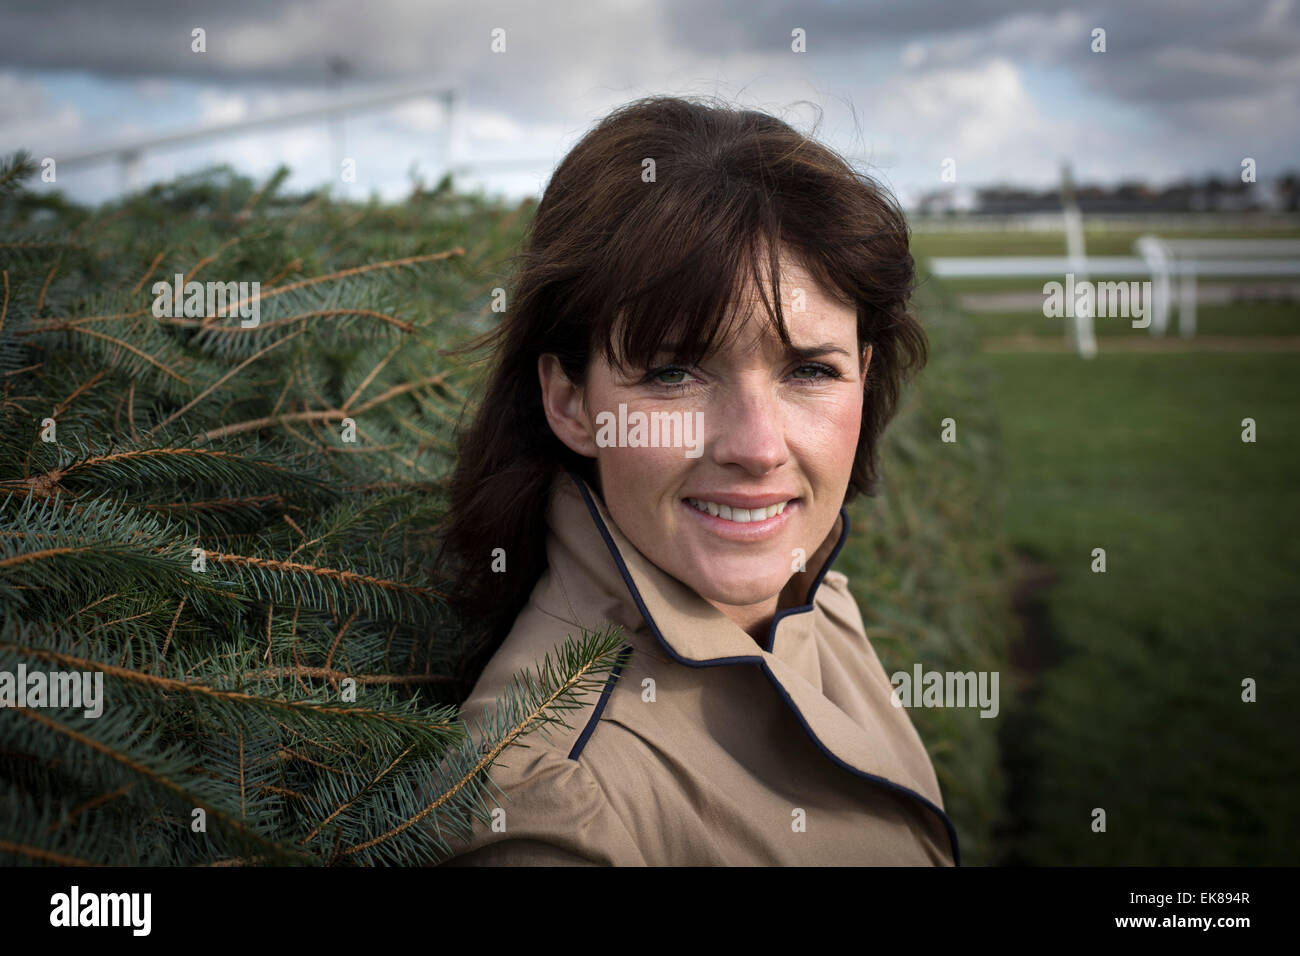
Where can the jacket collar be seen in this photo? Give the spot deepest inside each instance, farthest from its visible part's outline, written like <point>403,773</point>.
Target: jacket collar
<point>699,632</point>
<point>878,742</point>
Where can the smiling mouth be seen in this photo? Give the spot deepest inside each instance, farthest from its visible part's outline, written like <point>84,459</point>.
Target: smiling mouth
<point>737,515</point>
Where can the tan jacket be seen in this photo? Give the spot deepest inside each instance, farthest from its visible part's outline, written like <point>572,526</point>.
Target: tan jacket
<point>707,749</point>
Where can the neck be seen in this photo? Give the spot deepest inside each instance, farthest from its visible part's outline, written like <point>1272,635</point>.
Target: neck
<point>756,620</point>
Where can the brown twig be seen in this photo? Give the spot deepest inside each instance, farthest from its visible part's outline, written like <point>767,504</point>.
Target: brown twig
<point>221,381</point>
<point>36,853</point>
<point>148,272</point>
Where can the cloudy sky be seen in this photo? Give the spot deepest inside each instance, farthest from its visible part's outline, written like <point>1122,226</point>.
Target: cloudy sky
<point>1005,88</point>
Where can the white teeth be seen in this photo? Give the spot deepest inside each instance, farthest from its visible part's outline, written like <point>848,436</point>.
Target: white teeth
<point>738,515</point>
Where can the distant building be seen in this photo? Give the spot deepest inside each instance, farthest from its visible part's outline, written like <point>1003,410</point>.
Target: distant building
<point>1212,194</point>
<point>949,202</point>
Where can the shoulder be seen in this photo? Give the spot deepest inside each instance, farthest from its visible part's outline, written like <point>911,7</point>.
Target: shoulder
<point>836,580</point>
<point>546,810</point>
<point>547,806</point>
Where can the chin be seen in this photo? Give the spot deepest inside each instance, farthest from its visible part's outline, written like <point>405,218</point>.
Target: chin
<point>741,592</point>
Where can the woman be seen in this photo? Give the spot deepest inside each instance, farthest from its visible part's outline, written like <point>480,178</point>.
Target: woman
<point>708,335</point>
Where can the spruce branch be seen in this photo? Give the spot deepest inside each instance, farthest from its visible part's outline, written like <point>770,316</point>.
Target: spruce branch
<point>19,166</point>
<point>534,701</point>
<point>152,772</point>
<point>423,729</point>
<point>44,856</point>
<point>355,271</point>
<point>181,438</point>
<point>153,267</point>
<point>321,415</point>
<point>222,381</point>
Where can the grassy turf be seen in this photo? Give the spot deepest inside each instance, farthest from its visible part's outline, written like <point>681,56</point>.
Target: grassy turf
<point>1136,706</point>
<point>929,563</point>
<point>1107,242</point>
<point>1251,318</point>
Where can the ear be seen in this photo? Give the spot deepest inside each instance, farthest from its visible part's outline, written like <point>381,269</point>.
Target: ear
<point>866,361</point>
<point>563,403</point>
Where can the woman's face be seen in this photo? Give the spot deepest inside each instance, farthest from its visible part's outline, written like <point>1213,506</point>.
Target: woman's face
<point>731,513</point>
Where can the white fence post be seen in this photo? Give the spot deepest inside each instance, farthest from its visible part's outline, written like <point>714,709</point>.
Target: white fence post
<point>1157,257</point>
<point>1085,341</point>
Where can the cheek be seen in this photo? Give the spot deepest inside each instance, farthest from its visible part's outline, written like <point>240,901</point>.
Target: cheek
<point>831,430</point>
<point>641,475</point>
<point>640,486</point>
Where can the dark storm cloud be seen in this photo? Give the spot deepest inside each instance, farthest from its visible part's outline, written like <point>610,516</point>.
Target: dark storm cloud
<point>253,40</point>
<point>760,24</point>
<point>261,43</point>
<point>1158,51</point>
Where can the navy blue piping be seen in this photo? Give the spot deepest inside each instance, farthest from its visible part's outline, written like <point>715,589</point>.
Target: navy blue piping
<point>817,582</point>
<point>600,704</point>
<point>645,613</point>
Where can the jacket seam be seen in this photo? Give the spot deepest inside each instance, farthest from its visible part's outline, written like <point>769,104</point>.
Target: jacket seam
<point>568,622</point>
<point>559,580</point>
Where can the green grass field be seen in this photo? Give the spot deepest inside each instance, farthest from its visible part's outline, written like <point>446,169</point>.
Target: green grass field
<point>1129,682</point>
<point>1126,690</point>
<point>1252,318</point>
<point>1099,242</point>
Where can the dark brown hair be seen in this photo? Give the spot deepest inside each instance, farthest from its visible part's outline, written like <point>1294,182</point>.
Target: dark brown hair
<point>655,258</point>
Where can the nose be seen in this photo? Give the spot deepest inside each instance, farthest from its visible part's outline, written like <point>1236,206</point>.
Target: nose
<point>749,430</point>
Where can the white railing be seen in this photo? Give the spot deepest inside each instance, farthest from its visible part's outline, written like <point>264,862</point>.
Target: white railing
<point>129,154</point>
<point>1160,260</point>
<point>1187,259</point>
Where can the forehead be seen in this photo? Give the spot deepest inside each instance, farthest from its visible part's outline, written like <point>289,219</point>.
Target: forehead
<point>800,288</point>
<point>806,304</point>
<point>746,318</point>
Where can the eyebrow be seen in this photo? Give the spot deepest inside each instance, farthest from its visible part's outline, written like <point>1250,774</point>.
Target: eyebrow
<point>802,352</point>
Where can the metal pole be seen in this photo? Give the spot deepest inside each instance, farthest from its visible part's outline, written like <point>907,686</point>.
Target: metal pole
<point>339,68</point>
<point>448,130</point>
